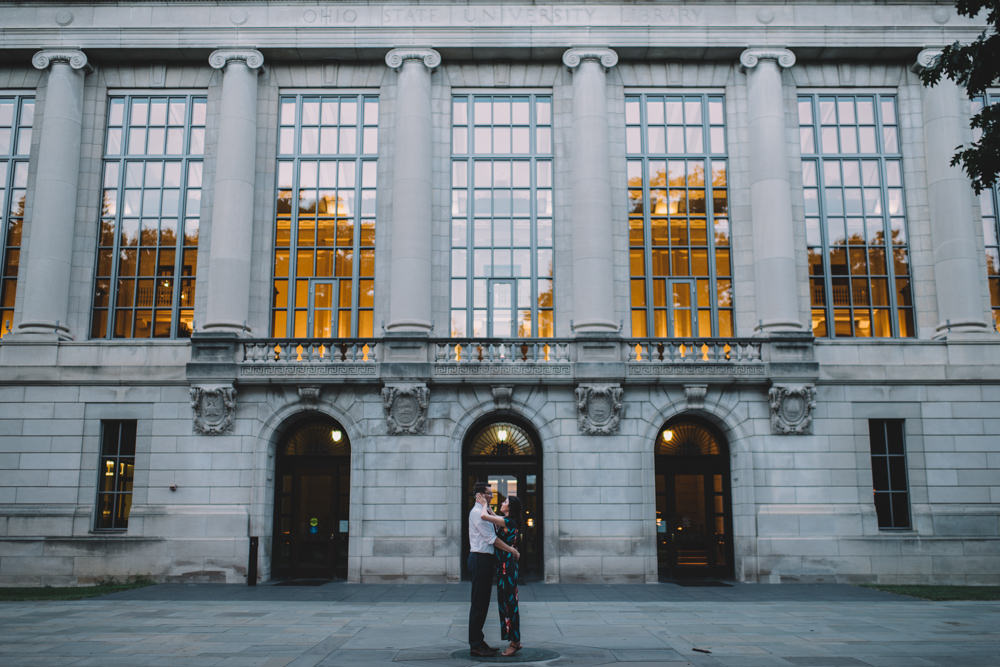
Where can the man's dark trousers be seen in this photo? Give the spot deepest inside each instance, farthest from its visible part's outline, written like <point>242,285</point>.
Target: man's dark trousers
<point>482,567</point>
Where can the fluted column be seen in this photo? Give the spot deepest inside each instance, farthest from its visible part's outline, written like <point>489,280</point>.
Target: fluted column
<point>592,216</point>
<point>45,306</point>
<point>775,279</point>
<point>232,197</point>
<point>410,275</point>
<point>959,276</point>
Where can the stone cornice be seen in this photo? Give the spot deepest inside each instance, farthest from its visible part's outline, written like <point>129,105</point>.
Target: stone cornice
<point>750,57</point>
<point>573,57</point>
<point>428,56</point>
<point>926,58</point>
<point>76,58</point>
<point>221,57</point>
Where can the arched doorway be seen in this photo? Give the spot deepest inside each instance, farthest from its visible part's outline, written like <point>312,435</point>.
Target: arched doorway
<point>694,520</point>
<point>312,490</point>
<point>504,452</point>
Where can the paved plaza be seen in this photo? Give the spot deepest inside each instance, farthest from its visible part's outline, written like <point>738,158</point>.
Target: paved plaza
<point>423,625</point>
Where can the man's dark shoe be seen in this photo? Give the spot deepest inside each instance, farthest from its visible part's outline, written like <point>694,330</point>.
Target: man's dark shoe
<point>483,651</point>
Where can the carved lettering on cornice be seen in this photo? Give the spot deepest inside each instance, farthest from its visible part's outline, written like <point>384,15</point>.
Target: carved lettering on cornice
<point>750,57</point>
<point>397,57</point>
<point>221,57</point>
<point>573,57</point>
<point>42,59</point>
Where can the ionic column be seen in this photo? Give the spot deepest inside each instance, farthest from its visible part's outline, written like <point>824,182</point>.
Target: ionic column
<point>775,279</point>
<point>45,307</point>
<point>232,197</point>
<point>410,227</point>
<point>592,213</point>
<point>959,276</point>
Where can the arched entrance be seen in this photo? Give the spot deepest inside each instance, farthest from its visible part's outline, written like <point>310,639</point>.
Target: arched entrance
<point>694,519</point>
<point>312,490</point>
<point>504,452</point>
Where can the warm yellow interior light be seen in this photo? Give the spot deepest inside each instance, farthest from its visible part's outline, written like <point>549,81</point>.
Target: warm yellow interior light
<point>336,435</point>
<point>109,469</point>
<point>668,435</point>
<point>502,435</point>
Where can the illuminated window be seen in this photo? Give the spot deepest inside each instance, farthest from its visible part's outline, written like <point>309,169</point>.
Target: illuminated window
<point>678,215</point>
<point>990,205</point>
<point>147,252</point>
<point>859,266</point>
<point>889,486</point>
<point>501,208</point>
<point>16,115</point>
<point>115,474</point>
<point>324,241</point>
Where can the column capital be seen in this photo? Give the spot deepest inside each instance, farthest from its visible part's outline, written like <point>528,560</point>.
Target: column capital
<point>76,58</point>
<point>750,57</point>
<point>925,59</point>
<point>221,57</point>
<point>397,57</point>
<point>573,57</point>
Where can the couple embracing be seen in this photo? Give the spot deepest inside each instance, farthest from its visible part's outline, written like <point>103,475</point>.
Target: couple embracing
<point>492,549</point>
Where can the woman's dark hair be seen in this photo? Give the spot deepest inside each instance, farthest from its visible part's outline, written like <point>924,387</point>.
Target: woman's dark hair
<point>514,510</point>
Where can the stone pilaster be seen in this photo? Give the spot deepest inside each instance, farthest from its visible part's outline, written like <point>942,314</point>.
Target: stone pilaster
<point>411,188</point>
<point>592,213</point>
<point>232,202</point>
<point>775,279</point>
<point>46,282</point>
<point>959,276</point>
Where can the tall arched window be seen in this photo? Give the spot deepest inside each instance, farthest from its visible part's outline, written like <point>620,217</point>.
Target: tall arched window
<point>147,249</point>
<point>501,226</point>
<point>17,113</point>
<point>852,178</point>
<point>678,219</point>
<point>990,206</point>
<point>324,239</point>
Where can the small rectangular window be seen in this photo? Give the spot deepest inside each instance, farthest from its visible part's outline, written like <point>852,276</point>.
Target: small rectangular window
<point>889,486</point>
<point>115,473</point>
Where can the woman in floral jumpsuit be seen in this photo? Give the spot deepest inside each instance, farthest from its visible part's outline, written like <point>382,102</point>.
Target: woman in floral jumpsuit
<point>508,529</point>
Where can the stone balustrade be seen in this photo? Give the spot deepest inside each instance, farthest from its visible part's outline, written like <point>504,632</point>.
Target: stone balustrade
<point>693,350</point>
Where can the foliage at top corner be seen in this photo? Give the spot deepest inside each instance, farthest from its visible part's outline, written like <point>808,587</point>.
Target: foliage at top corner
<point>976,67</point>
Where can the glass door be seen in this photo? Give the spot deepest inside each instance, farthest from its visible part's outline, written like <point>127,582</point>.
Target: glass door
<point>322,317</point>
<point>693,525</point>
<point>502,311</point>
<point>682,311</point>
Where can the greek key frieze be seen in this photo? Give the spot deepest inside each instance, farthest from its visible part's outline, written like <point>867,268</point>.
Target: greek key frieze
<point>320,371</point>
<point>503,369</point>
<point>697,369</point>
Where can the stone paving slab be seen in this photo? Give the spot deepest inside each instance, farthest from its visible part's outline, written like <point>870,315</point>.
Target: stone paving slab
<point>420,626</point>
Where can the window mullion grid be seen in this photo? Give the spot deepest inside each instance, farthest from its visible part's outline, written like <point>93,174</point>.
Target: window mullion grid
<point>713,273</point>
<point>890,250</point>
<point>647,234</point>
<point>470,240</point>
<point>293,222</point>
<point>112,319</point>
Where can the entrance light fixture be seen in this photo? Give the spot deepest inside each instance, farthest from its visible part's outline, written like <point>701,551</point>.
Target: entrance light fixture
<point>502,435</point>
<point>668,435</point>
<point>336,435</point>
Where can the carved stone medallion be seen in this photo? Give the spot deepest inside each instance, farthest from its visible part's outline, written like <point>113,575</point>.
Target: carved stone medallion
<point>214,408</point>
<point>792,408</point>
<point>600,408</point>
<point>405,407</point>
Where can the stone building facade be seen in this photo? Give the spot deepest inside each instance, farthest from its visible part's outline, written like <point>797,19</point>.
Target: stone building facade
<point>282,280</point>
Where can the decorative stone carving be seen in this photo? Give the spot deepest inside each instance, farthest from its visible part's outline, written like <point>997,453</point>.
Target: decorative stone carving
<point>405,407</point>
<point>221,57</point>
<point>397,57</point>
<point>309,393</point>
<point>792,408</point>
<point>42,59</point>
<point>214,408</point>
<point>600,408</point>
<point>573,57</point>
<point>695,394</point>
<point>502,395</point>
<point>926,58</point>
<point>750,57</point>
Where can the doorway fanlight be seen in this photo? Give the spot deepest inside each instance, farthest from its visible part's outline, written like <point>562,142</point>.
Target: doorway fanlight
<point>502,439</point>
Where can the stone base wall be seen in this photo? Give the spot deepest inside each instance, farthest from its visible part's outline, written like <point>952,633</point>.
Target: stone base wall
<point>801,504</point>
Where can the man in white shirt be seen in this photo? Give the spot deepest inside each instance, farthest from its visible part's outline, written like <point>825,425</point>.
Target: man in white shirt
<point>482,566</point>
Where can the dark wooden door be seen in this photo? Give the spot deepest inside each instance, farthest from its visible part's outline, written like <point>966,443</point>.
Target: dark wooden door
<point>312,499</point>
